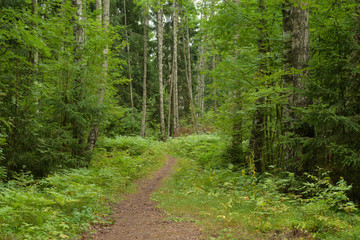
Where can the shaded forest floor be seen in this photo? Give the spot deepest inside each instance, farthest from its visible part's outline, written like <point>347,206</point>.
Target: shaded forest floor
<point>137,217</point>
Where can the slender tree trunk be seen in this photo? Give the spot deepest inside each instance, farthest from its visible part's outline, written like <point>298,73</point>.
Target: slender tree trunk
<point>296,55</point>
<point>77,128</point>
<point>192,107</point>
<point>106,22</point>
<point>287,79</point>
<point>213,64</point>
<point>200,86</point>
<point>187,61</point>
<point>78,30</point>
<point>35,52</point>
<point>143,120</point>
<point>128,57</point>
<point>184,48</point>
<point>98,5</point>
<point>175,68</point>
<point>95,130</point>
<point>160,69</point>
<point>170,107</point>
<point>237,153</point>
<point>258,132</point>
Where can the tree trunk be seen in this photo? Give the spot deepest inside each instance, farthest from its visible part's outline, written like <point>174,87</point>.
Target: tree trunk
<point>213,64</point>
<point>236,149</point>
<point>192,107</point>
<point>175,69</point>
<point>128,58</point>
<point>143,120</point>
<point>106,22</point>
<point>77,128</point>
<point>296,55</point>
<point>258,132</point>
<point>160,69</point>
<point>94,132</point>
<point>78,30</point>
<point>170,107</point>
<point>200,86</point>
<point>35,52</point>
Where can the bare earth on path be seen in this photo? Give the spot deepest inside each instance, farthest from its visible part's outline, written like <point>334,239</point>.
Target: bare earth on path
<point>138,218</point>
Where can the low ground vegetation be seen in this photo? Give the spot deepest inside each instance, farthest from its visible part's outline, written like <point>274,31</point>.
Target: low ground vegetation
<point>66,203</point>
<point>233,202</point>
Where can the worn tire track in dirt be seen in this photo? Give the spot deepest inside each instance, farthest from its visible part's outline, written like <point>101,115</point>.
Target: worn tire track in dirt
<point>138,218</point>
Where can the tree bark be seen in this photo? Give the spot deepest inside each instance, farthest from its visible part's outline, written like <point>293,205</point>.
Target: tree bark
<point>213,64</point>
<point>258,132</point>
<point>128,57</point>
<point>143,119</point>
<point>175,69</point>
<point>77,129</point>
<point>297,56</point>
<point>95,130</point>
<point>160,69</point>
<point>192,107</point>
<point>187,60</point>
<point>35,52</point>
<point>200,86</point>
<point>170,107</point>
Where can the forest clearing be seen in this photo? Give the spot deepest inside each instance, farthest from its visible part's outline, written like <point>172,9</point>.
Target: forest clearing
<point>257,100</point>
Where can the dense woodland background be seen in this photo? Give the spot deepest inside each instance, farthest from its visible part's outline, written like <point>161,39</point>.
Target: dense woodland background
<point>280,77</point>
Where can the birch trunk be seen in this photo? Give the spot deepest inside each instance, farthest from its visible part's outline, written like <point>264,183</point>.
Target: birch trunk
<point>200,86</point>
<point>174,68</point>
<point>106,22</point>
<point>95,130</point>
<point>213,63</point>
<point>143,119</point>
<point>128,57</point>
<point>160,69</point>
<point>170,107</point>
<point>35,52</point>
<point>77,130</point>
<point>192,107</point>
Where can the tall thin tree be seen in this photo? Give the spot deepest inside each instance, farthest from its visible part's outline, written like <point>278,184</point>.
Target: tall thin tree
<point>160,68</point>
<point>95,130</point>
<point>77,128</point>
<point>297,56</point>
<point>175,69</point>
<point>258,132</point>
<point>143,119</point>
<point>189,82</point>
<point>128,57</point>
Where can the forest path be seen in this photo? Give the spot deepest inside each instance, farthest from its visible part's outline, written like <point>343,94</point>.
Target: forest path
<point>137,217</point>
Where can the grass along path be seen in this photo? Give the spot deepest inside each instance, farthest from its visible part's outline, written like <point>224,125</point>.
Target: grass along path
<point>234,203</point>
<point>137,217</point>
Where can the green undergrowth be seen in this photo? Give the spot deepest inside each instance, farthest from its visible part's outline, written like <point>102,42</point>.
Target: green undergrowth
<point>66,203</point>
<point>234,203</point>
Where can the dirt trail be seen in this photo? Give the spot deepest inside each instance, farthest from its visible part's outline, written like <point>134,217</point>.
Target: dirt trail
<point>138,218</point>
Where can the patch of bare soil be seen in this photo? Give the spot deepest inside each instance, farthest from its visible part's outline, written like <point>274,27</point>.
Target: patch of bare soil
<point>137,217</point>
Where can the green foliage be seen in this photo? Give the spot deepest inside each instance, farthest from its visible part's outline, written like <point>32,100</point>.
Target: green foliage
<point>49,91</point>
<point>208,149</point>
<point>64,204</point>
<point>244,203</point>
